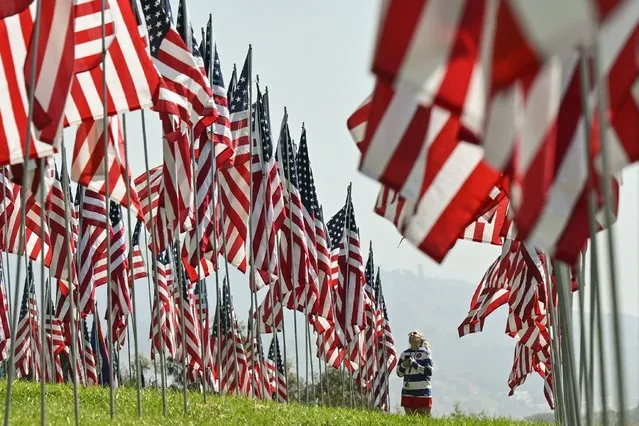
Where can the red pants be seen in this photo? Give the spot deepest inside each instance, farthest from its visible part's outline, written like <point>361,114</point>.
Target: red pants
<point>417,405</point>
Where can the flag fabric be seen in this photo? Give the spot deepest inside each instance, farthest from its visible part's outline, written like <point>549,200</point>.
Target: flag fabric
<point>139,268</point>
<point>88,33</point>
<point>260,383</point>
<point>132,79</point>
<point>88,357</point>
<point>177,175</point>
<point>184,86</point>
<point>201,308</point>
<point>11,7</point>
<point>234,368</point>
<point>88,162</point>
<point>36,248</point>
<point>293,249</point>
<point>235,178</point>
<point>150,201</point>
<point>55,343</point>
<point>91,245</point>
<point>350,289</point>
<point>53,66</point>
<point>63,244</point>
<point>276,366</point>
<point>267,203</point>
<point>222,136</point>
<point>119,284</point>
<point>15,36</point>
<point>27,340</point>
<point>325,314</point>
<point>162,333</point>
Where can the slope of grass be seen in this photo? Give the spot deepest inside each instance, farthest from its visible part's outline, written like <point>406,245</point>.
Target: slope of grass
<point>94,409</point>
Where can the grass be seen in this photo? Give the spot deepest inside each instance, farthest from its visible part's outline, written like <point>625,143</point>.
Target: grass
<point>94,409</point>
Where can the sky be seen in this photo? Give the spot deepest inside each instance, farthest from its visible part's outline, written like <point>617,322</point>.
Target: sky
<point>314,57</point>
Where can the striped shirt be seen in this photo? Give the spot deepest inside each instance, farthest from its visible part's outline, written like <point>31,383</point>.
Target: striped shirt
<point>417,376</point>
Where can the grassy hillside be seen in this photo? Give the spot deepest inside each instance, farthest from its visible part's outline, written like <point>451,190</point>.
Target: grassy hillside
<point>94,407</point>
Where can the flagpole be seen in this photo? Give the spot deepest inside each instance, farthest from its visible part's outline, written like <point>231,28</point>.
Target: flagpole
<point>555,362</point>
<point>187,28</point>
<point>43,335</point>
<point>328,381</point>
<point>265,184</point>
<point>28,285</point>
<point>148,285</point>
<point>105,125</point>
<point>214,175</point>
<point>602,89</point>
<point>279,295</point>
<point>384,354</point>
<point>290,249</point>
<point>595,302</point>
<point>198,258</point>
<point>584,380</point>
<point>23,192</point>
<point>251,258</point>
<point>7,283</point>
<point>77,258</point>
<point>183,295</point>
<point>347,227</point>
<point>67,226</point>
<point>135,312</point>
<point>154,256</point>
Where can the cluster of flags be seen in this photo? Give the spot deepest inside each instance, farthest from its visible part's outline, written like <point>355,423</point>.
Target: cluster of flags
<point>224,188</point>
<point>487,123</point>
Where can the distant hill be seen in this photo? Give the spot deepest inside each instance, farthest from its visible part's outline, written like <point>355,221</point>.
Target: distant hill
<point>473,370</point>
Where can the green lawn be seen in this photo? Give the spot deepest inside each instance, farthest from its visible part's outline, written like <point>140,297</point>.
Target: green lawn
<point>94,409</point>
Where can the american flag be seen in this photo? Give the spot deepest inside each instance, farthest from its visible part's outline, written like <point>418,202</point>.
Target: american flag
<point>293,250</point>
<point>268,205</point>
<point>88,33</point>
<point>36,248</point>
<point>88,357</point>
<point>186,299</point>
<point>5,330</point>
<point>184,85</point>
<point>55,28</point>
<point>119,284</point>
<point>88,162</point>
<point>150,201</point>
<point>177,180</point>
<point>386,353</point>
<point>276,368</point>
<point>54,63</point>
<point>55,344</point>
<point>201,310</point>
<point>163,329</point>
<point>132,79</point>
<point>60,239</point>
<point>325,314</point>
<point>222,136</point>
<point>350,290</point>
<point>239,110</point>
<point>26,347</point>
<point>259,372</point>
<point>139,268</point>
<point>234,181</point>
<point>91,245</point>
<point>234,368</point>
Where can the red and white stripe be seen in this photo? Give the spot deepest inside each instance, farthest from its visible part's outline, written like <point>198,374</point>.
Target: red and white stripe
<point>88,162</point>
<point>150,201</point>
<point>61,242</point>
<point>88,33</point>
<point>91,247</point>
<point>132,79</point>
<point>15,33</point>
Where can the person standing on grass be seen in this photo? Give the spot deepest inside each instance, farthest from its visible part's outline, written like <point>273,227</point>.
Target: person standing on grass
<point>416,367</point>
